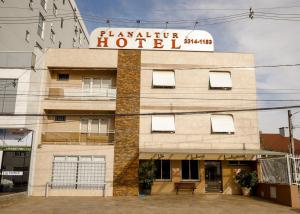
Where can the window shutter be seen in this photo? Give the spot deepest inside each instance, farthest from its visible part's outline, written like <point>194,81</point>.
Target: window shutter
<point>164,123</point>
<point>222,123</point>
<point>220,80</point>
<point>163,78</point>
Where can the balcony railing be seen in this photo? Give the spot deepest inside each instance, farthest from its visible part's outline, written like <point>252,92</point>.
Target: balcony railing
<point>82,94</point>
<point>77,137</point>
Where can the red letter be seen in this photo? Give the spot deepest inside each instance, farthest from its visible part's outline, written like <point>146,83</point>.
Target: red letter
<point>140,42</point>
<point>124,42</point>
<point>158,43</point>
<point>174,44</point>
<point>102,41</point>
<point>102,33</point>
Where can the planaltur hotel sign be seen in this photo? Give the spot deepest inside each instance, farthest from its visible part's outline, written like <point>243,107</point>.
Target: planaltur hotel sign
<point>151,39</point>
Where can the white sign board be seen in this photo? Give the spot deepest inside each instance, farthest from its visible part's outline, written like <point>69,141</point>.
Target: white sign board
<point>151,39</point>
<point>15,173</point>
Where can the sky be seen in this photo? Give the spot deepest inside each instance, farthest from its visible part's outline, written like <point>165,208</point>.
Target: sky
<point>272,41</point>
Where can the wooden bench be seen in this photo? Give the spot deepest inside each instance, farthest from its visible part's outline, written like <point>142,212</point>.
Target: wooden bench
<point>185,186</point>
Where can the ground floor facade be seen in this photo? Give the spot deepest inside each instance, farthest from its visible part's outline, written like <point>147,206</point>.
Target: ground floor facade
<point>88,170</point>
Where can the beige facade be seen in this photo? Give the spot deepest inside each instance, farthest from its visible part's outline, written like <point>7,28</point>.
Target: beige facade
<point>192,139</point>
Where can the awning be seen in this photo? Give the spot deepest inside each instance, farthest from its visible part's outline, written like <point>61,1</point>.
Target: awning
<point>210,154</point>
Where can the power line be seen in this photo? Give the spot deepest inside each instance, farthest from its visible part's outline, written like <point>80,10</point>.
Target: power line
<point>158,113</point>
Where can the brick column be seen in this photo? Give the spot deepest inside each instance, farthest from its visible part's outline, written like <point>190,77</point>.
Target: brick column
<point>126,149</point>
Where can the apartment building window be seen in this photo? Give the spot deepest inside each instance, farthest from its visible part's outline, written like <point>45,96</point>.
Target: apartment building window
<point>78,172</point>
<point>60,118</point>
<point>163,79</point>
<point>52,35</point>
<point>43,4</point>
<point>222,123</point>
<point>30,4</point>
<point>61,22</point>
<point>96,83</point>
<point>63,77</point>
<point>41,26</point>
<point>8,95</point>
<point>190,170</point>
<point>163,169</point>
<point>54,10</point>
<point>38,46</point>
<point>220,80</point>
<point>95,126</point>
<point>163,123</point>
<point>27,36</point>
<point>74,43</point>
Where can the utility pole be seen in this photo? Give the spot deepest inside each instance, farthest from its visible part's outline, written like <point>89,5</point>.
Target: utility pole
<point>292,145</point>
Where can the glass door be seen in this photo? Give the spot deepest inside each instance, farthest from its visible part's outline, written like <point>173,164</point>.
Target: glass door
<point>213,176</point>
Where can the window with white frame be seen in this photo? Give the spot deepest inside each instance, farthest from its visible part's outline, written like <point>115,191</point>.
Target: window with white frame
<point>163,123</point>
<point>54,10</point>
<point>44,4</point>
<point>78,172</point>
<point>162,169</point>
<point>27,36</point>
<point>220,80</point>
<point>8,95</point>
<point>190,170</point>
<point>52,35</point>
<point>95,126</point>
<point>41,26</point>
<point>96,86</point>
<point>222,123</point>
<point>163,78</point>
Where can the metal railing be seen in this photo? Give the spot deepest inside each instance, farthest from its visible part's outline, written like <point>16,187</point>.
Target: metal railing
<point>82,94</point>
<point>78,137</point>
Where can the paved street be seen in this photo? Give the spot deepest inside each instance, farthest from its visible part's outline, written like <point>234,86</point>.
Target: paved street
<point>183,204</point>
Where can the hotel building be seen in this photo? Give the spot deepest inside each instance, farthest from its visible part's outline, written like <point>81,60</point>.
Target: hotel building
<point>109,109</point>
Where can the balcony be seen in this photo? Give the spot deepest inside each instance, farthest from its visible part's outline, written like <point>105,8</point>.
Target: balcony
<point>76,98</point>
<point>15,59</point>
<point>75,93</point>
<point>77,138</point>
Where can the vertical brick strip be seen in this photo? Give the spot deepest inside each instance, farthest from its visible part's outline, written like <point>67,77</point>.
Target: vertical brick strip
<point>127,127</point>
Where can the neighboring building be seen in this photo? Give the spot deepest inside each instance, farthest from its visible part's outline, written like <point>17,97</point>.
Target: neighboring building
<point>41,23</point>
<point>30,28</point>
<point>100,121</point>
<point>278,142</point>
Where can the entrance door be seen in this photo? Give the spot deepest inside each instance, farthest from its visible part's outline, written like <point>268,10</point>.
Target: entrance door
<point>213,176</point>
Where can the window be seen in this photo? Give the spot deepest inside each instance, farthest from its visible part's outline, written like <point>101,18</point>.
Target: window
<point>74,42</point>
<point>61,22</point>
<point>63,77</point>
<point>190,170</point>
<point>38,46</point>
<point>239,163</point>
<point>163,79</point>
<point>163,169</point>
<point>60,118</point>
<point>220,80</point>
<point>59,44</point>
<point>78,172</point>
<point>163,123</point>
<point>95,126</point>
<point>96,83</point>
<point>30,4</point>
<point>52,36</point>
<point>54,10</point>
<point>41,26</point>
<point>43,4</point>
<point>27,36</point>
<point>222,123</point>
<point>8,95</point>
